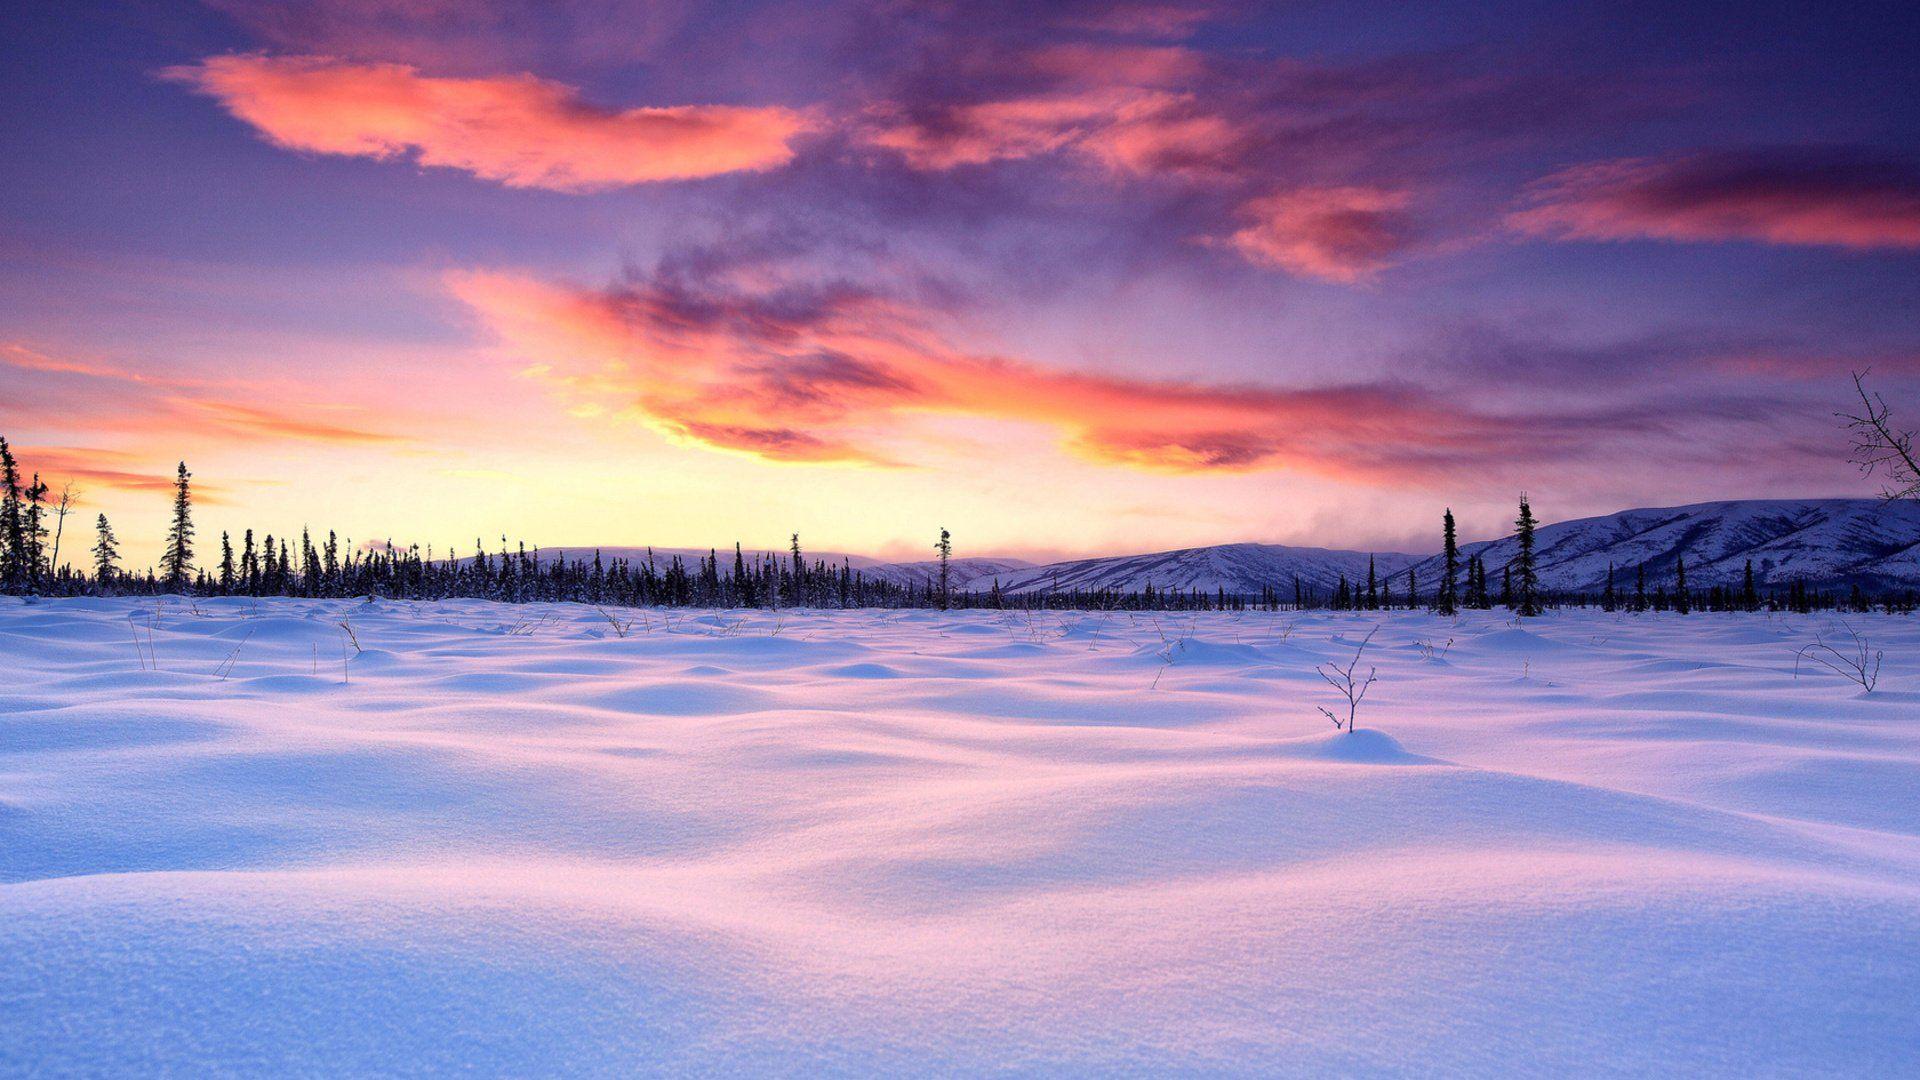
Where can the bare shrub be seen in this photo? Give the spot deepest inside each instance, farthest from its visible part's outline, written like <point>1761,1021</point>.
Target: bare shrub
<point>1855,660</point>
<point>1351,687</point>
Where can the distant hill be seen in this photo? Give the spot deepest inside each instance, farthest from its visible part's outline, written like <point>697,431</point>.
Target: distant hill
<point>1823,542</point>
<point>1237,568</point>
<point>964,573</point>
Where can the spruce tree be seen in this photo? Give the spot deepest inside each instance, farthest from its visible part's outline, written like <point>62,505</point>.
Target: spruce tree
<point>34,532</point>
<point>801,594</point>
<point>1445,601</point>
<point>176,559</point>
<point>945,549</point>
<point>226,563</point>
<point>13,542</point>
<point>106,552</point>
<point>249,566</point>
<point>1529,582</point>
<point>1681,602</point>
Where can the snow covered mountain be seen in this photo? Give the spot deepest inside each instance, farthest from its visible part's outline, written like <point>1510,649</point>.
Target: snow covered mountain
<point>963,573</point>
<point>1238,568</point>
<point>1823,542</point>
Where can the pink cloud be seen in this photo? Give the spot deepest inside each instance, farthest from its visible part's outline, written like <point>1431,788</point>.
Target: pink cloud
<point>787,372</point>
<point>1128,130</point>
<point>1342,234</point>
<point>975,134</point>
<point>1827,198</point>
<point>517,129</point>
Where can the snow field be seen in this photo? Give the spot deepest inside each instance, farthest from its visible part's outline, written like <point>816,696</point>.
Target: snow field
<point>537,839</point>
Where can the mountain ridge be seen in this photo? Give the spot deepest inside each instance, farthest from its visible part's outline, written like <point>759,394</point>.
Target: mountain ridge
<point>1821,542</point>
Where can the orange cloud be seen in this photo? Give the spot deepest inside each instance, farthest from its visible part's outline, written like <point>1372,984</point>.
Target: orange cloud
<point>1802,196</point>
<point>1343,234</point>
<point>16,355</point>
<point>519,130</point>
<point>249,420</point>
<point>96,397</point>
<point>789,372</point>
<point>93,466</point>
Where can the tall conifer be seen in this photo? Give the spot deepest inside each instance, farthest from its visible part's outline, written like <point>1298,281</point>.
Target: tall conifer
<point>106,552</point>
<point>176,559</point>
<point>1445,601</point>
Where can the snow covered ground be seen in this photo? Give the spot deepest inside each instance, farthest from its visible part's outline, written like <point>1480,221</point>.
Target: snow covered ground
<point>510,840</point>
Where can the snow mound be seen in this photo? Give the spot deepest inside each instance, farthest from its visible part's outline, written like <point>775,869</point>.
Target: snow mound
<point>1362,746</point>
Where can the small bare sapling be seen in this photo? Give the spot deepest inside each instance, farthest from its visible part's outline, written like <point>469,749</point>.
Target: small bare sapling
<point>1855,660</point>
<point>1351,687</point>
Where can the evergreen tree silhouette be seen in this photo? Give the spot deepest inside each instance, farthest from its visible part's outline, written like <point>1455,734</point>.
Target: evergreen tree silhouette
<point>13,541</point>
<point>176,560</point>
<point>945,549</point>
<point>34,532</point>
<point>106,552</point>
<point>249,566</point>
<point>1523,562</point>
<point>1445,601</point>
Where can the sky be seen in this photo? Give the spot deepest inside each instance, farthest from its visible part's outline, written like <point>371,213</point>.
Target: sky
<point>1063,278</point>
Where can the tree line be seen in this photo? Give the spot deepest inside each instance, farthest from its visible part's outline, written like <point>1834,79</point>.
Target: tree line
<point>33,526</point>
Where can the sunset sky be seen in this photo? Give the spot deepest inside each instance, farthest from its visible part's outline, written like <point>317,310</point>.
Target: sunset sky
<point>1063,278</point>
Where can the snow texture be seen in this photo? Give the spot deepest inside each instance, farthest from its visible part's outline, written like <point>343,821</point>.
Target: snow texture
<point>511,841</point>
